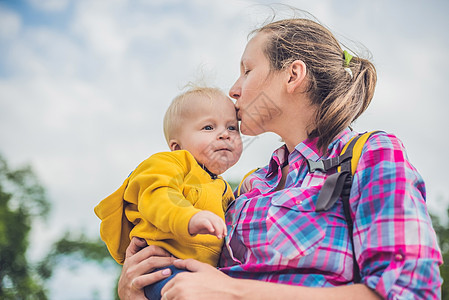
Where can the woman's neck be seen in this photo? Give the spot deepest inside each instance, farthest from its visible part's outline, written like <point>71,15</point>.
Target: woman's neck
<point>292,140</point>
<point>295,126</point>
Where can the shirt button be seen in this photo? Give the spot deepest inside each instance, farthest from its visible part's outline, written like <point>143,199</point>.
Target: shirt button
<point>399,257</point>
<point>298,202</point>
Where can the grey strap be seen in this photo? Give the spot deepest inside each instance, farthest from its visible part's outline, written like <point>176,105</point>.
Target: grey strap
<point>331,191</point>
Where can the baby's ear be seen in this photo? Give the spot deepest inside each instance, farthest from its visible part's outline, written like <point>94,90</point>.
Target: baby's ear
<point>174,145</point>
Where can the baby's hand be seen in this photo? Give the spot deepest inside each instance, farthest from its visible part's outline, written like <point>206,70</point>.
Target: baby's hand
<point>206,222</point>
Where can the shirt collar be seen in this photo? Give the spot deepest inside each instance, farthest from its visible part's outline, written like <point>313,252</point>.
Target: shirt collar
<point>309,149</point>
<point>278,159</point>
<point>340,141</point>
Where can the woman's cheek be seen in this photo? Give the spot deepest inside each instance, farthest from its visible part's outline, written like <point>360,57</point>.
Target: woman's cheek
<point>250,125</point>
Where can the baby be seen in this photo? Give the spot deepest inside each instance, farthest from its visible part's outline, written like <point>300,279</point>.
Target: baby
<point>176,200</point>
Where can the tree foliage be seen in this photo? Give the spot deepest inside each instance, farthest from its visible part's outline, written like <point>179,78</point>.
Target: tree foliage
<point>442,232</point>
<point>72,251</point>
<point>22,199</point>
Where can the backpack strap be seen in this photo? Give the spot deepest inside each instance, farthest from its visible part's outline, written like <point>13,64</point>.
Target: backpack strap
<point>346,164</point>
<point>333,186</point>
<point>339,184</point>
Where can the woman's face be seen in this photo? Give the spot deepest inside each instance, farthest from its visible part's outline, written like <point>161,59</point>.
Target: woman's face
<point>257,90</point>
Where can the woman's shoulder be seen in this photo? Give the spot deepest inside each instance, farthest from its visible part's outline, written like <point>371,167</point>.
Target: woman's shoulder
<point>383,148</point>
<point>383,140</point>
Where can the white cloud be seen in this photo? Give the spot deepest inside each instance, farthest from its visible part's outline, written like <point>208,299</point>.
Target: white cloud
<point>85,105</point>
<point>10,24</point>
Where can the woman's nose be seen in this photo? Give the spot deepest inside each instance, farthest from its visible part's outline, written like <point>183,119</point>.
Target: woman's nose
<point>234,92</point>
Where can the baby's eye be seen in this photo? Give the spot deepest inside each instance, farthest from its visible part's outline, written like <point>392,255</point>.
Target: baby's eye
<point>208,127</point>
<point>232,127</point>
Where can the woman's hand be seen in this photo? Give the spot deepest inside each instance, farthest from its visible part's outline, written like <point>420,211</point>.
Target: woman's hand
<point>137,267</point>
<point>202,282</point>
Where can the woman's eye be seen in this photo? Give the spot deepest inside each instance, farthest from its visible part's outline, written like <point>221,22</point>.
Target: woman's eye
<point>247,71</point>
<point>208,127</point>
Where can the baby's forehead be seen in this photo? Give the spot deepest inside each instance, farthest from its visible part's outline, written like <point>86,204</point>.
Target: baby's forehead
<point>207,97</point>
<point>200,106</point>
<point>215,100</point>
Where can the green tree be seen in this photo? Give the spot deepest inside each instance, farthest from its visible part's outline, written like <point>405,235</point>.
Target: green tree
<point>22,200</point>
<point>442,232</point>
<point>73,250</point>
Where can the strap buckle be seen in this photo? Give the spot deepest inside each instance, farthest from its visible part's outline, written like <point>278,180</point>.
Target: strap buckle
<point>315,165</point>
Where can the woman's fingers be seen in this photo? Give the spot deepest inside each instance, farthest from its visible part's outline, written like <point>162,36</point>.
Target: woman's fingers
<point>148,252</point>
<point>136,271</point>
<point>150,263</point>
<point>135,246</point>
<point>202,282</point>
<point>147,279</point>
<point>187,264</point>
<point>191,265</point>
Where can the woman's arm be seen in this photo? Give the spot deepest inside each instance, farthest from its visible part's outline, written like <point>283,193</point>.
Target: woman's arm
<point>139,262</point>
<point>394,240</point>
<point>206,282</point>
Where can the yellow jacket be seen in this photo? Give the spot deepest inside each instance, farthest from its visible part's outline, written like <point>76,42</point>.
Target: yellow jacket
<point>156,203</point>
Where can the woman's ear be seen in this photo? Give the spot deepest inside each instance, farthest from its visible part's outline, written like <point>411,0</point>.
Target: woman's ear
<point>297,72</point>
<point>174,145</point>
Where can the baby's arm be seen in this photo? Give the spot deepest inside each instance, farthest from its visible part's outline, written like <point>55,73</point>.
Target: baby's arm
<point>206,222</point>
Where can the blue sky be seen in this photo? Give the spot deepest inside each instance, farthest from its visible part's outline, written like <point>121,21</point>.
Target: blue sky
<point>84,86</point>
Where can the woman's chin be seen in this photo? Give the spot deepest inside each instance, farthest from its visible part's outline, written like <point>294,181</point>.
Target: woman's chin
<point>251,131</point>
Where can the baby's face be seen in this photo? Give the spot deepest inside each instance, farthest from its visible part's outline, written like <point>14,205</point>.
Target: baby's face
<point>211,133</point>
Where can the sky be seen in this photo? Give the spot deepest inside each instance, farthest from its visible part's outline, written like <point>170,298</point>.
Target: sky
<point>84,86</point>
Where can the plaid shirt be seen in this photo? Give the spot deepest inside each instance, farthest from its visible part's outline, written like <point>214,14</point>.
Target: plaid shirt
<point>277,236</point>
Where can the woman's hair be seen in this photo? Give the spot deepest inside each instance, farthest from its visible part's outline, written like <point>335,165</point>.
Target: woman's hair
<point>180,107</point>
<point>340,97</point>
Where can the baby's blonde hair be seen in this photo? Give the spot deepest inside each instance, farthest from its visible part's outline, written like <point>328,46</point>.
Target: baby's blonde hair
<point>180,107</point>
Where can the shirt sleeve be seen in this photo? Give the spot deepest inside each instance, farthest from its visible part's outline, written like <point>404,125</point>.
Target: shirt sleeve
<point>395,243</point>
<point>158,184</point>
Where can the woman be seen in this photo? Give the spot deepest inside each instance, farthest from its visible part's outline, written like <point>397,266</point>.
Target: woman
<point>278,245</point>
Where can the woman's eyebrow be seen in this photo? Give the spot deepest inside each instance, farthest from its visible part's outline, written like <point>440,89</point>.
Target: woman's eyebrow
<point>243,62</point>
<point>241,65</point>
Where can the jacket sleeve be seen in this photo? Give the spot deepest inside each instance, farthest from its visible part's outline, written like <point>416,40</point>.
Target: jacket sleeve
<point>395,243</point>
<point>158,184</point>
<point>114,227</point>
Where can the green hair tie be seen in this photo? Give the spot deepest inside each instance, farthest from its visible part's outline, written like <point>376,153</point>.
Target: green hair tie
<point>347,57</point>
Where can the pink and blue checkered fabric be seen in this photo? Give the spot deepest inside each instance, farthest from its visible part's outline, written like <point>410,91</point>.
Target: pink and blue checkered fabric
<point>277,236</point>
